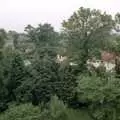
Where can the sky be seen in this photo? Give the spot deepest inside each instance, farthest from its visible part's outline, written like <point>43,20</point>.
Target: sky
<point>16,14</point>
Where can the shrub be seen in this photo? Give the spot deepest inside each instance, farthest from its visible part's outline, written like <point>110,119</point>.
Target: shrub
<point>22,112</point>
<point>55,110</point>
<point>101,94</point>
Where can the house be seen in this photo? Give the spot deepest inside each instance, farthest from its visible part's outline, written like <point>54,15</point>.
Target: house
<point>107,60</point>
<point>108,57</point>
<point>61,58</point>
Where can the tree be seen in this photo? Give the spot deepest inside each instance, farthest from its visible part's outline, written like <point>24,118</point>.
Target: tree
<point>50,78</point>
<point>2,88</point>
<point>101,96</point>
<point>17,75</point>
<point>13,35</point>
<point>87,30</point>
<point>3,76</point>
<point>42,35</point>
<point>44,38</point>
<point>3,36</point>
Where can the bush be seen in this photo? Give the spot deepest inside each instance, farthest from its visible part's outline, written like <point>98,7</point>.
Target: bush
<point>58,111</point>
<point>51,79</point>
<point>22,112</point>
<point>101,94</point>
<point>55,110</point>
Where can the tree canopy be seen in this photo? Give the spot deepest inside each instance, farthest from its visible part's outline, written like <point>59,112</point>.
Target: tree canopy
<point>88,31</point>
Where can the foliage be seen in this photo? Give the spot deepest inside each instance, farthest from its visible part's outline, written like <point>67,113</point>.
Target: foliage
<point>55,110</point>
<point>48,90</point>
<point>22,112</point>
<point>50,79</point>
<point>4,75</point>
<point>42,34</point>
<point>44,37</point>
<point>87,30</point>
<point>3,36</point>
<point>17,75</point>
<point>101,95</point>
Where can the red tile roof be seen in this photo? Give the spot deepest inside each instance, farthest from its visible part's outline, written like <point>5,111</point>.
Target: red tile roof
<point>108,56</point>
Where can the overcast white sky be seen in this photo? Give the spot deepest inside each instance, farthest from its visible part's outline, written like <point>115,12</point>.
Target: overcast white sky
<point>16,14</point>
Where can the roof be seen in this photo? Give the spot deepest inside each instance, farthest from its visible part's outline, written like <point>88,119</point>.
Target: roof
<point>108,56</point>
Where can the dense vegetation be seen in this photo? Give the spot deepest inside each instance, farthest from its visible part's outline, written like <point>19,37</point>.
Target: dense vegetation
<point>35,85</point>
